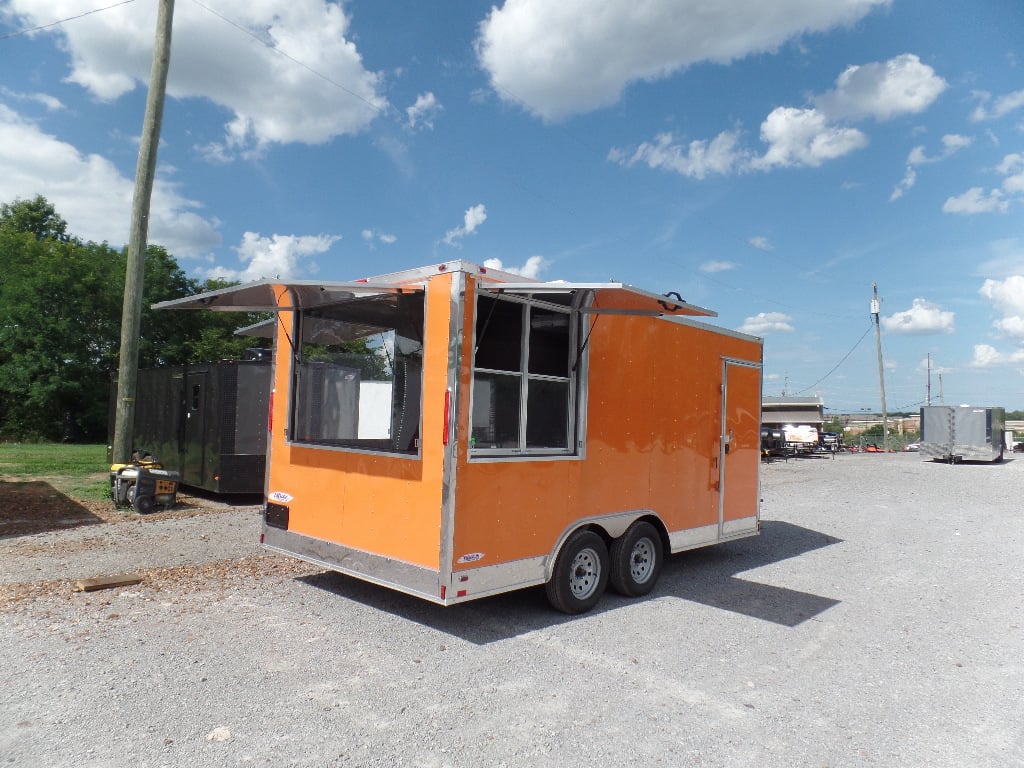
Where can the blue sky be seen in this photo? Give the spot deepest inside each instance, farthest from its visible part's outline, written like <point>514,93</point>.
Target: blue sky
<point>768,160</point>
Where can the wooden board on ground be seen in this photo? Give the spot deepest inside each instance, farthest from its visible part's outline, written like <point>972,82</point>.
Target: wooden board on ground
<point>107,582</point>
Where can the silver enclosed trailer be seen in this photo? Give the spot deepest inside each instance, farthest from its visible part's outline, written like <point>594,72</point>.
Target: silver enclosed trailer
<point>962,433</point>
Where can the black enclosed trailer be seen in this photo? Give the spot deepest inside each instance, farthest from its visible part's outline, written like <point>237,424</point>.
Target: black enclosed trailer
<point>207,421</point>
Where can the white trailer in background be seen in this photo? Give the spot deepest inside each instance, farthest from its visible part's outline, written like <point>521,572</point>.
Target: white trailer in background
<point>956,433</point>
<point>800,438</point>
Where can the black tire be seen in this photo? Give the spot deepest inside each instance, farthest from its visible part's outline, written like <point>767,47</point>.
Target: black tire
<point>143,504</point>
<point>636,557</point>
<point>580,575</point>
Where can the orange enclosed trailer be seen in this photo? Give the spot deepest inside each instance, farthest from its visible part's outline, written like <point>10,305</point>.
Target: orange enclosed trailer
<point>455,432</point>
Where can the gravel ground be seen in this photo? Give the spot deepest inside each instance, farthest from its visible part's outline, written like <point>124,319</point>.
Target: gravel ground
<point>877,621</point>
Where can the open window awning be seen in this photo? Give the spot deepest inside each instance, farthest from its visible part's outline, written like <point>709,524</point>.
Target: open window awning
<point>602,298</point>
<point>263,296</point>
<point>590,298</point>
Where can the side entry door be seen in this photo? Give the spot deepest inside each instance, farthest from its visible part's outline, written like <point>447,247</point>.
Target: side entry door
<point>193,448</point>
<point>740,457</point>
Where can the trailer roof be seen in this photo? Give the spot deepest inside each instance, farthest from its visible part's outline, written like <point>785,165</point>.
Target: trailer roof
<point>609,298</point>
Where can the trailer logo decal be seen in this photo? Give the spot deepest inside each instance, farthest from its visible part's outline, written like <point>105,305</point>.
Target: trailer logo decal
<point>280,497</point>
<point>471,558</point>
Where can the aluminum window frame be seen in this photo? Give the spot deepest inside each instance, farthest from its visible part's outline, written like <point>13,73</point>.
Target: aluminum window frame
<point>575,368</point>
<point>301,316</point>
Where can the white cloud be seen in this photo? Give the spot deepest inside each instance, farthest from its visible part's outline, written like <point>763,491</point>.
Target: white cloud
<point>798,137</point>
<point>1012,326</point>
<point>472,219</point>
<point>310,88</point>
<point>90,193</point>
<point>883,90</point>
<point>766,322</point>
<point>928,364</point>
<point>923,318</point>
<point>51,103</point>
<point>717,266</point>
<point>954,142</point>
<point>761,243</point>
<point>562,57</point>
<point>532,268</point>
<point>277,256</point>
<point>372,236</point>
<point>986,356</point>
<point>905,184</point>
<point>696,160</point>
<point>975,200</point>
<point>1012,167</point>
<point>951,144</point>
<point>811,135</point>
<point>1002,106</point>
<point>1007,295</point>
<point>1007,299</point>
<point>423,112</point>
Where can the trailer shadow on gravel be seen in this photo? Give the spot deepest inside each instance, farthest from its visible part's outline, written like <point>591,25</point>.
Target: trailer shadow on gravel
<point>29,507</point>
<point>708,576</point>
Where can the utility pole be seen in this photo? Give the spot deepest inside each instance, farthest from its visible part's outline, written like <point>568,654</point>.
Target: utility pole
<point>876,305</point>
<point>131,313</point>
<point>928,389</point>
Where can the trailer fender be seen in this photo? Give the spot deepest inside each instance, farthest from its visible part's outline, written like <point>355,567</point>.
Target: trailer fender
<point>610,527</point>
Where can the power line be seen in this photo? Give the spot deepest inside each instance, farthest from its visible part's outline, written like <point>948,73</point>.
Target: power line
<point>30,30</point>
<point>837,364</point>
<point>270,45</point>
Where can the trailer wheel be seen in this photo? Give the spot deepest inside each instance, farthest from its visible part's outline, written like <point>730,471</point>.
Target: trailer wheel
<point>636,558</point>
<point>580,575</point>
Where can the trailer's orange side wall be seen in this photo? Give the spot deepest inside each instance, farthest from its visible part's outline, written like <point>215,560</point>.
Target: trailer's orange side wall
<point>652,442</point>
<point>388,505</point>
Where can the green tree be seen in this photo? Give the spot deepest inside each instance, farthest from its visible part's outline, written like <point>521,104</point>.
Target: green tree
<point>36,216</point>
<point>835,424</point>
<point>54,342</point>
<point>60,319</point>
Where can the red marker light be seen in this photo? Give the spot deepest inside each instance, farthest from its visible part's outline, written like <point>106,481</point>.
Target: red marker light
<point>447,410</point>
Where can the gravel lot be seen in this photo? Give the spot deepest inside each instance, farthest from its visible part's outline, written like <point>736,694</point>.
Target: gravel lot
<point>877,621</point>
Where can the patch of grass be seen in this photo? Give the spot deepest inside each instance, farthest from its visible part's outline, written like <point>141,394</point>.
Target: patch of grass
<point>80,471</point>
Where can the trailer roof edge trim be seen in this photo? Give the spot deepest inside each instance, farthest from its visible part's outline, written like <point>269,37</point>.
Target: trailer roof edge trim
<point>262,296</point>
<point>609,298</point>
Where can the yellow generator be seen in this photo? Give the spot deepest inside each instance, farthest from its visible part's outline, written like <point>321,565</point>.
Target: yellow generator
<point>143,485</point>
